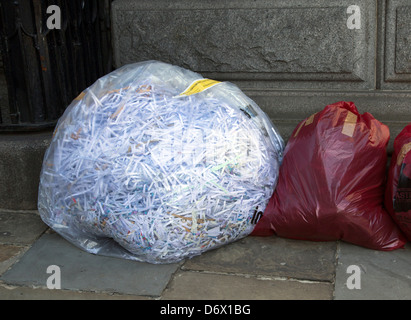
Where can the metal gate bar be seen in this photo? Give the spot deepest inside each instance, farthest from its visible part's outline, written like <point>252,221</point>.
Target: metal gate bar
<point>46,69</point>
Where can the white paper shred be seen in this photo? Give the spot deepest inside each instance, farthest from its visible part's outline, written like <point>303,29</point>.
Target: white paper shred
<point>145,175</point>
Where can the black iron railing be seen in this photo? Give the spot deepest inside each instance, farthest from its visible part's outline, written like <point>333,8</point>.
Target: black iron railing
<point>45,69</point>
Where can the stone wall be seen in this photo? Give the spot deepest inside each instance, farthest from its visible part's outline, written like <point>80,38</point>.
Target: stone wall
<point>394,45</point>
<point>293,44</point>
<point>262,44</point>
<point>292,57</point>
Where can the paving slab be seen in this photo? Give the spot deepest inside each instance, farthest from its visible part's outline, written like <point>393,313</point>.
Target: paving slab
<point>207,286</point>
<point>9,255</point>
<point>26,293</point>
<point>80,270</point>
<point>271,256</point>
<point>382,275</point>
<point>20,228</point>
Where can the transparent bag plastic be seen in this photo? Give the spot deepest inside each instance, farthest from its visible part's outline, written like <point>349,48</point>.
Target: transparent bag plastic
<point>142,169</point>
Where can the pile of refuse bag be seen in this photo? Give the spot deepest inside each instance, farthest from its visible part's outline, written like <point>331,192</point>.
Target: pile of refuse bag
<point>155,163</point>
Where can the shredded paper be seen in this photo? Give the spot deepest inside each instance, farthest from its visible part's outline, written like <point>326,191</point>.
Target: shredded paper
<point>138,170</point>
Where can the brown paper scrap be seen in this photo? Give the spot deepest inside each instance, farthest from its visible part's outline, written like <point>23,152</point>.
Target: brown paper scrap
<point>349,124</point>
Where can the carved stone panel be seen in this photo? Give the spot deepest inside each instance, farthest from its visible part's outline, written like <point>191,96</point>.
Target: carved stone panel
<point>397,54</point>
<point>260,44</point>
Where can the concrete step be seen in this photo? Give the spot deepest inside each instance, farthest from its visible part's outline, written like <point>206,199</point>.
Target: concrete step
<point>21,158</point>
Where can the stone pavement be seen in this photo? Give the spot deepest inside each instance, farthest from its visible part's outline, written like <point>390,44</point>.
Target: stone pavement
<point>253,268</point>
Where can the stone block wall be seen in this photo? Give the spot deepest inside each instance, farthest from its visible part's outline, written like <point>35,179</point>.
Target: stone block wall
<point>295,44</point>
<point>292,57</point>
<point>394,46</point>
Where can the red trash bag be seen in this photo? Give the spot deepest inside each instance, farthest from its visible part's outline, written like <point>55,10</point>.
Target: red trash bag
<point>398,191</point>
<point>331,182</point>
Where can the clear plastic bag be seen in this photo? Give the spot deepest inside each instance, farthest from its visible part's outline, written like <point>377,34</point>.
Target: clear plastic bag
<point>155,163</point>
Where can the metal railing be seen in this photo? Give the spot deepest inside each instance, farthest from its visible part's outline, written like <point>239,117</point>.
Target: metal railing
<point>45,69</point>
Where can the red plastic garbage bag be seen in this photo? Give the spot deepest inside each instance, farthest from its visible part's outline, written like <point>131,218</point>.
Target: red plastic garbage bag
<point>331,182</point>
<point>398,191</point>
